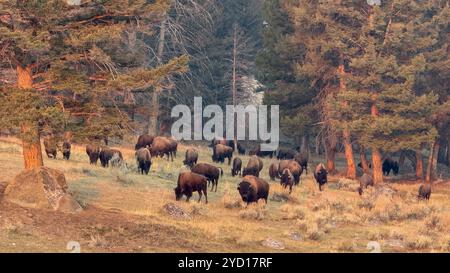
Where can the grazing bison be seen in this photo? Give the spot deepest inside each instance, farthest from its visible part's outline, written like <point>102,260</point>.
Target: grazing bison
<point>50,147</point>
<point>220,152</point>
<point>93,151</point>
<point>287,179</point>
<point>66,149</point>
<point>144,141</point>
<point>302,159</point>
<point>286,153</point>
<point>253,188</point>
<point>388,165</point>
<point>237,167</point>
<point>295,169</point>
<point>320,174</point>
<point>241,149</point>
<point>106,154</point>
<point>273,171</point>
<point>424,192</point>
<point>364,181</point>
<point>211,172</point>
<point>254,166</point>
<point>161,146</point>
<point>173,146</point>
<point>144,160</point>
<point>191,157</point>
<point>188,182</point>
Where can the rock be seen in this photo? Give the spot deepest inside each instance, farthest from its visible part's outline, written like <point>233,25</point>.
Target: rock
<point>271,243</point>
<point>3,185</point>
<point>175,211</point>
<point>295,236</point>
<point>41,188</point>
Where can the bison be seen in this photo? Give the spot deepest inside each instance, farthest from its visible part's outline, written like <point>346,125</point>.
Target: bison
<point>287,179</point>
<point>260,153</point>
<point>209,171</point>
<point>273,171</point>
<point>144,160</point>
<point>144,141</point>
<point>364,181</point>
<point>254,166</point>
<point>162,146</point>
<point>220,152</point>
<point>295,169</point>
<point>66,149</point>
<point>302,159</point>
<point>241,149</point>
<point>320,174</point>
<point>188,182</point>
<point>93,151</point>
<point>106,155</point>
<point>191,157</point>
<point>173,146</point>
<point>50,147</point>
<point>388,165</point>
<point>424,192</point>
<point>253,188</point>
<point>237,167</point>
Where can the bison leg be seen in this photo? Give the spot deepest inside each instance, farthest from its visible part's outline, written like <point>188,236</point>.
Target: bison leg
<point>217,182</point>
<point>205,192</point>
<point>199,195</point>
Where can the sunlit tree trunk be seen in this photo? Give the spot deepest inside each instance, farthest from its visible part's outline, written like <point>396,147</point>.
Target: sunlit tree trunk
<point>330,153</point>
<point>31,144</point>
<point>419,165</point>
<point>363,158</point>
<point>376,155</point>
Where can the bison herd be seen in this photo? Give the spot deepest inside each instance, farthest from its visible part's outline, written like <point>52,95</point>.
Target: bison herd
<point>288,168</point>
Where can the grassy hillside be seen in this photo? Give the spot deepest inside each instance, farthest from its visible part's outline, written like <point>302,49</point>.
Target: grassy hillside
<point>124,213</point>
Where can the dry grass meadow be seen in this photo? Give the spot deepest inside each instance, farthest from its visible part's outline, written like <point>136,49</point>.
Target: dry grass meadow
<point>124,213</point>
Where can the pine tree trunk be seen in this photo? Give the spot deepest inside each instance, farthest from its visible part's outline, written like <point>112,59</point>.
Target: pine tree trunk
<point>330,153</point>
<point>31,144</point>
<point>304,147</point>
<point>432,162</point>
<point>419,165</point>
<point>376,155</point>
<point>377,166</point>
<point>317,147</point>
<point>363,158</point>
<point>351,167</point>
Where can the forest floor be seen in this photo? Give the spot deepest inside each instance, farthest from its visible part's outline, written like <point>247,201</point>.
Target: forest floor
<point>123,212</point>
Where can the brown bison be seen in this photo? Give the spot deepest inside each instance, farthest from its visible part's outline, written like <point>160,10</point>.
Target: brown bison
<point>254,166</point>
<point>424,192</point>
<point>173,146</point>
<point>188,182</point>
<point>93,151</point>
<point>237,167</point>
<point>106,154</point>
<point>287,179</point>
<point>220,152</point>
<point>161,146</point>
<point>320,174</point>
<point>295,169</point>
<point>211,172</point>
<point>144,141</point>
<point>364,181</point>
<point>273,171</point>
<point>388,165</point>
<point>191,157</point>
<point>66,149</point>
<point>302,159</point>
<point>50,147</point>
<point>253,188</point>
<point>144,160</point>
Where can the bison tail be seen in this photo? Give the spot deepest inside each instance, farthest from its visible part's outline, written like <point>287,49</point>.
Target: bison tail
<point>221,171</point>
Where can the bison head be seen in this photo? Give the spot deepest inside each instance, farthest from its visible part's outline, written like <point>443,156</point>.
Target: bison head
<point>178,193</point>
<point>246,191</point>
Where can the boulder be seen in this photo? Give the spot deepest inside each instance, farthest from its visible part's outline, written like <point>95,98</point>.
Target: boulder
<point>175,211</point>
<point>41,188</point>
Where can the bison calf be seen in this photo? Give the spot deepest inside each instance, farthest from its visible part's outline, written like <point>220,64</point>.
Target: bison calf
<point>188,182</point>
<point>253,188</point>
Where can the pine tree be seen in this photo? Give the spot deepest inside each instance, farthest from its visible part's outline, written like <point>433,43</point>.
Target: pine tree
<point>70,67</point>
